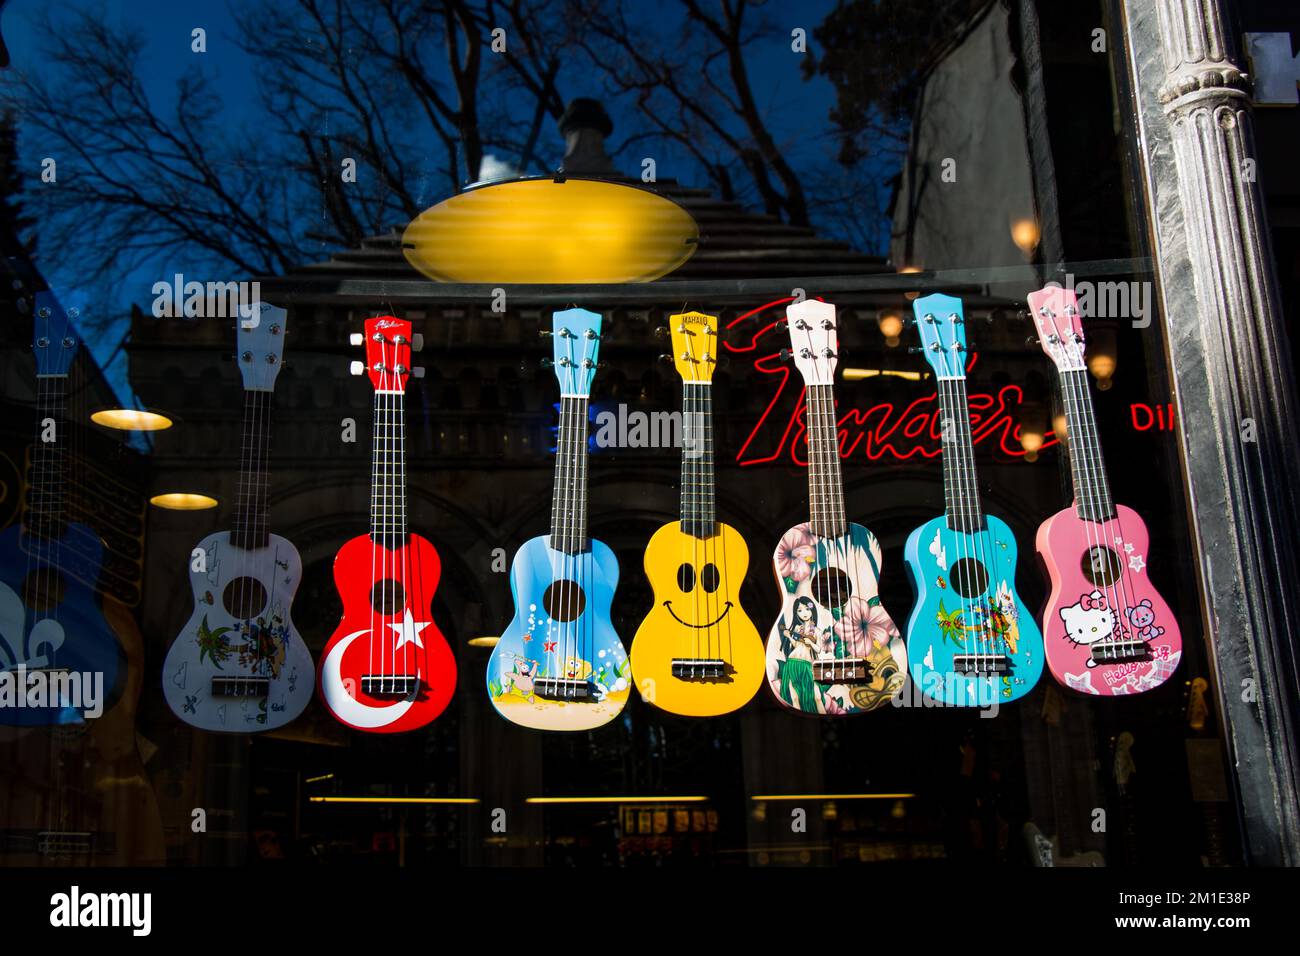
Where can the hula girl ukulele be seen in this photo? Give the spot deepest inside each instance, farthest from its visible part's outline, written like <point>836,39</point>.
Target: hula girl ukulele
<point>51,624</point>
<point>239,664</point>
<point>697,653</point>
<point>387,668</point>
<point>973,642</point>
<point>1109,630</point>
<point>834,649</point>
<point>560,665</point>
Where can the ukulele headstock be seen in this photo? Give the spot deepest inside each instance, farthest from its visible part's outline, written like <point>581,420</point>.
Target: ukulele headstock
<point>54,337</point>
<point>389,345</point>
<point>695,345</point>
<point>576,339</point>
<point>260,348</point>
<point>814,340</point>
<point>941,324</point>
<point>1055,311</point>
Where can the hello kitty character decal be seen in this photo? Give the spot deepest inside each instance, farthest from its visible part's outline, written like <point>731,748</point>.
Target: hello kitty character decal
<point>1090,620</point>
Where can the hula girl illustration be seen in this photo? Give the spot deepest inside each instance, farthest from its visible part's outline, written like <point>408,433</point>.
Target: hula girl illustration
<point>802,644</point>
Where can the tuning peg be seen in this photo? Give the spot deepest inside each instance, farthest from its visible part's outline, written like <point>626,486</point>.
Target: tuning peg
<point>785,355</point>
<point>357,368</point>
<point>417,342</point>
<point>1032,340</point>
<point>915,348</point>
<point>545,334</point>
<point>418,371</point>
<point>782,324</point>
<point>666,359</point>
<point>661,332</point>
<point>356,338</point>
<point>547,363</point>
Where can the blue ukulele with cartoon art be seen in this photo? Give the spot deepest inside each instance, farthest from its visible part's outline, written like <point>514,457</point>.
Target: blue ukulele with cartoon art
<point>972,641</point>
<point>560,664</point>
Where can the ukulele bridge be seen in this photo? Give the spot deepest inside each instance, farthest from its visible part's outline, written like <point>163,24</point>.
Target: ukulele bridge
<point>561,688</point>
<point>979,664</point>
<point>392,686</point>
<point>841,670</point>
<point>1120,652</point>
<point>699,668</point>
<point>64,842</point>
<point>240,686</point>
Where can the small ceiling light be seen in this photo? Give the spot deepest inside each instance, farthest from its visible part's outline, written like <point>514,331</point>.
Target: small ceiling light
<point>891,326</point>
<point>546,230</point>
<point>484,641</point>
<point>131,420</point>
<point>858,374</point>
<point>183,501</point>
<point>1102,359</point>
<point>1026,234</point>
<point>1033,421</point>
<point>907,271</point>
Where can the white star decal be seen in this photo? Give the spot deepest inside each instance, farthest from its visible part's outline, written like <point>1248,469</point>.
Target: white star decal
<point>1136,562</point>
<point>409,631</point>
<point>1128,548</point>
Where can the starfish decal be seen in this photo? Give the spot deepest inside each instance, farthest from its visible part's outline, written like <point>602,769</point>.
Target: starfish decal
<point>408,631</point>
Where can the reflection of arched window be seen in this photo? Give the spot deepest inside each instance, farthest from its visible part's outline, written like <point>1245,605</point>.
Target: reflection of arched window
<point>469,384</point>
<point>513,389</point>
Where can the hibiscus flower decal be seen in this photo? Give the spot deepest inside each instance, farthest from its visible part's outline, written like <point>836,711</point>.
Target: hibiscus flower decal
<point>795,556</point>
<point>863,626</point>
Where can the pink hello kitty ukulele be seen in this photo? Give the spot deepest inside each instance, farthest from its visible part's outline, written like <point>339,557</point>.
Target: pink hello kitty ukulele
<point>1106,628</point>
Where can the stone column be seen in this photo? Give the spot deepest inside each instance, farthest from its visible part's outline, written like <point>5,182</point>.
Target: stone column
<point>1234,386</point>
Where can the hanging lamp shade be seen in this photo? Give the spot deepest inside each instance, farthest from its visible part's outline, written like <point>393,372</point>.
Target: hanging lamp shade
<point>551,231</point>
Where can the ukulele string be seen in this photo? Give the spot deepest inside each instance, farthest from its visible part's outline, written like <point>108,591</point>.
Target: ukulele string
<point>419,602</point>
<point>963,560</point>
<point>1121,600</point>
<point>979,537</point>
<point>375,531</point>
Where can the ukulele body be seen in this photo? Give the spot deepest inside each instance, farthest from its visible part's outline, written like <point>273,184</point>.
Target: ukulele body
<point>697,617</point>
<point>218,645</point>
<point>387,631</point>
<point>561,637</point>
<point>67,632</point>
<point>831,611</point>
<point>1100,592</point>
<point>988,620</point>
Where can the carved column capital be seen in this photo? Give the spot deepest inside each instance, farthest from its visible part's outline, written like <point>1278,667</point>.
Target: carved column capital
<point>1195,50</point>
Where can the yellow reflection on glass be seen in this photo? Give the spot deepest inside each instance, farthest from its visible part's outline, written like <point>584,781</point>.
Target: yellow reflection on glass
<point>183,501</point>
<point>543,231</point>
<point>131,420</point>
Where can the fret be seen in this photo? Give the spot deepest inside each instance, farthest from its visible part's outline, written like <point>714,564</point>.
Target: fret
<point>251,509</point>
<point>825,484</point>
<point>960,483</point>
<point>388,470</point>
<point>1092,500</point>
<point>569,497</point>
<point>699,512</point>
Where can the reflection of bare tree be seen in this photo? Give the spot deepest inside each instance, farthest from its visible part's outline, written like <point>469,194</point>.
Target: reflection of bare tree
<point>692,90</point>
<point>409,90</point>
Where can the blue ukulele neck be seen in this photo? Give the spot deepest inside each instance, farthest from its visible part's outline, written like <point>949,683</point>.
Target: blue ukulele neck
<point>960,483</point>
<point>569,498</point>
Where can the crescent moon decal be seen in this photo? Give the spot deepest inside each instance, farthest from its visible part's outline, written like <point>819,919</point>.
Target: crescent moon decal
<point>345,706</point>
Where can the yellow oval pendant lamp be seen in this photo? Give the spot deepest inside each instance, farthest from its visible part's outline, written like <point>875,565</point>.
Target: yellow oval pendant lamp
<point>548,230</point>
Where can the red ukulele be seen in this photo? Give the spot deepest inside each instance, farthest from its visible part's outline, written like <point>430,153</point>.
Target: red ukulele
<point>387,668</point>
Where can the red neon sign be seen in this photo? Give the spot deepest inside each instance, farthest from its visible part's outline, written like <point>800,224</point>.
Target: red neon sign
<point>877,432</point>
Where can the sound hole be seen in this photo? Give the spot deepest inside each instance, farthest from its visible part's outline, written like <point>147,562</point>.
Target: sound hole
<point>686,578</point>
<point>831,587</point>
<point>564,601</point>
<point>244,598</point>
<point>43,590</point>
<point>710,578</point>
<point>1101,566</point>
<point>969,578</point>
<point>388,597</point>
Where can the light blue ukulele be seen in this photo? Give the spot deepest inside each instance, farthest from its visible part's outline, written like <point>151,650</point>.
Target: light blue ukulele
<point>560,665</point>
<point>971,641</point>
